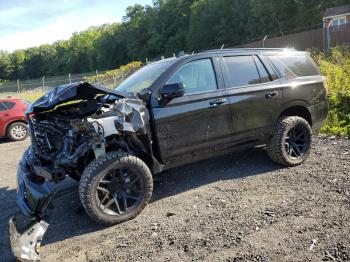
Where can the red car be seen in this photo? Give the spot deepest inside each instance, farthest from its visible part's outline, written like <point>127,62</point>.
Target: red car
<point>12,120</point>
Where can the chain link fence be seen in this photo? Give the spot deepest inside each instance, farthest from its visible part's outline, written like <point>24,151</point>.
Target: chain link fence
<point>112,82</point>
<point>42,83</point>
<point>31,89</point>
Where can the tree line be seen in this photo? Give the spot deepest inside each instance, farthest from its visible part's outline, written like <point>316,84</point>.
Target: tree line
<point>164,28</point>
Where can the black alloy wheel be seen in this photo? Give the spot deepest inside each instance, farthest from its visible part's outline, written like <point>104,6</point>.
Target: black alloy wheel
<point>291,142</point>
<point>118,191</point>
<point>115,187</point>
<point>297,142</point>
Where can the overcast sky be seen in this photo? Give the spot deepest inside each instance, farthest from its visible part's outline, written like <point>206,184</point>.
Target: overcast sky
<point>27,23</point>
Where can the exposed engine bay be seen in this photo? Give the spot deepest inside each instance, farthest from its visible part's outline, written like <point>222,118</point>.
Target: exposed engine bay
<point>70,126</point>
<point>65,140</point>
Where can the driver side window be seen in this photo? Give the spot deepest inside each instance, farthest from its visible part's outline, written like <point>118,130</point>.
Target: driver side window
<point>196,76</point>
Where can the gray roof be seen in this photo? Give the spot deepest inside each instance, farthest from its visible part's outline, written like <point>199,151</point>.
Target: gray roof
<point>338,10</point>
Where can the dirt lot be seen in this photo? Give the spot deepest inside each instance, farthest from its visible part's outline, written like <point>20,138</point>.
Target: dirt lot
<point>240,207</point>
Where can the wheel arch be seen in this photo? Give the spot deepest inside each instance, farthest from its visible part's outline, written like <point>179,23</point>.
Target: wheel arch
<point>12,122</point>
<point>298,110</point>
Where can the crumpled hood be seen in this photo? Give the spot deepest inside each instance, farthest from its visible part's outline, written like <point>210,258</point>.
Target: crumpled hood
<point>69,92</point>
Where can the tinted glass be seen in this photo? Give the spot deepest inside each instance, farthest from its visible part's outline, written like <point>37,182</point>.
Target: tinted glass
<point>197,77</point>
<point>9,105</point>
<point>2,107</point>
<point>299,65</point>
<point>242,71</point>
<point>264,75</point>
<point>144,77</point>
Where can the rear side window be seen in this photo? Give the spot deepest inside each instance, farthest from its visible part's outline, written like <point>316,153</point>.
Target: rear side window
<point>298,65</point>
<point>9,105</point>
<point>264,75</point>
<point>242,71</point>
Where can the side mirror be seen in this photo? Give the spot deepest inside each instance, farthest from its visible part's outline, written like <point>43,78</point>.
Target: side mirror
<point>171,91</point>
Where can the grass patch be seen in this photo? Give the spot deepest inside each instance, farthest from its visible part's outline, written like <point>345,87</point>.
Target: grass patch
<point>29,96</point>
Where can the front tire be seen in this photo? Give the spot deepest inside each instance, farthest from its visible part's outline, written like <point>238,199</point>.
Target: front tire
<point>115,188</point>
<point>291,142</point>
<point>17,131</point>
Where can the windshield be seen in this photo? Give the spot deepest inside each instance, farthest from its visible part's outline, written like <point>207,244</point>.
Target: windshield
<point>144,77</point>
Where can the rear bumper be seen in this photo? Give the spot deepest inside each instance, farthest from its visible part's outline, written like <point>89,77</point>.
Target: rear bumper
<point>317,127</point>
<point>32,198</point>
<point>319,114</point>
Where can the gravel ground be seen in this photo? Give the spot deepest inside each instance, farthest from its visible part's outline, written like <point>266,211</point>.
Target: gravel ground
<point>240,207</point>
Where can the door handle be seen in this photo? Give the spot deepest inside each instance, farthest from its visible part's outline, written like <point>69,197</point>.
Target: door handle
<point>217,102</point>
<point>271,94</point>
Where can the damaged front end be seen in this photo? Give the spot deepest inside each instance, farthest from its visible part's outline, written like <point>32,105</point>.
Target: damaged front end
<point>71,126</point>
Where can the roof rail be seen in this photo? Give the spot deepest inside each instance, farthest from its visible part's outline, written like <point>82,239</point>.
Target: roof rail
<point>181,53</point>
<point>247,49</point>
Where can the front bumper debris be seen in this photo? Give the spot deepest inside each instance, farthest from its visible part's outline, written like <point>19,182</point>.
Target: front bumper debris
<point>26,246</point>
<point>32,198</point>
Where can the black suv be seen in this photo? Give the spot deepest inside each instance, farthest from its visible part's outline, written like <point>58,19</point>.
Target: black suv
<point>169,113</point>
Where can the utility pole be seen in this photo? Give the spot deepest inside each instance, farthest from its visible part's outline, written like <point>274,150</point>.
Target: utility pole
<point>18,87</point>
<point>329,35</point>
<point>69,77</point>
<point>43,81</point>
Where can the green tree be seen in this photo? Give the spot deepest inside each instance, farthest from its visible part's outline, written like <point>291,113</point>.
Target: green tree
<point>17,60</point>
<point>6,66</point>
<point>164,28</point>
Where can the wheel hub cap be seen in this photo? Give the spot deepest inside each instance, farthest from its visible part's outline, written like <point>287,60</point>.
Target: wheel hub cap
<point>18,132</point>
<point>119,191</point>
<point>296,142</point>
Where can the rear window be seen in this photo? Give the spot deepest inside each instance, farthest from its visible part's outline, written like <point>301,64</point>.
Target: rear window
<point>9,105</point>
<point>295,65</point>
<point>2,107</point>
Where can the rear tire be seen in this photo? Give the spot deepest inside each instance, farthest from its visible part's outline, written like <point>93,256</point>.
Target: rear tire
<point>115,188</point>
<point>291,142</point>
<point>17,131</point>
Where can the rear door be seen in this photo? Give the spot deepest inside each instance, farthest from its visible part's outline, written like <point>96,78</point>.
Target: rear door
<point>195,125</point>
<point>254,95</point>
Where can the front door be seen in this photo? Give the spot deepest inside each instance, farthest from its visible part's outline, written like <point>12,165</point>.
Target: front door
<point>193,126</point>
